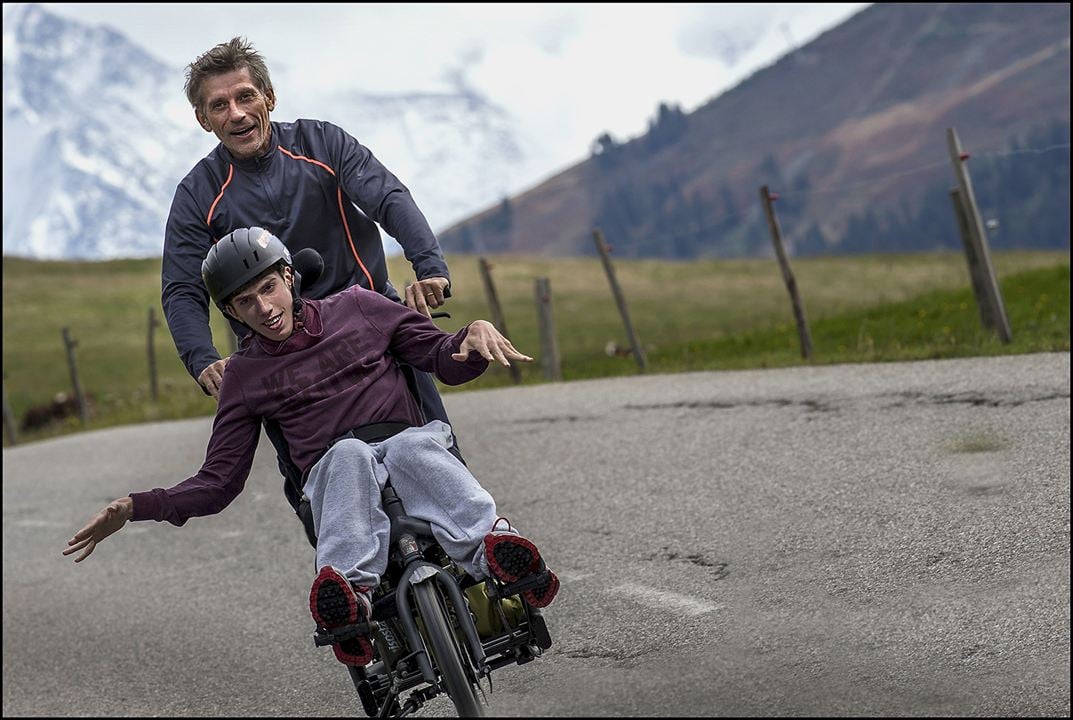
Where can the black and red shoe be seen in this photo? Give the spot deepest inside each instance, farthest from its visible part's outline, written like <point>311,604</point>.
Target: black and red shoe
<point>334,602</point>
<point>512,557</point>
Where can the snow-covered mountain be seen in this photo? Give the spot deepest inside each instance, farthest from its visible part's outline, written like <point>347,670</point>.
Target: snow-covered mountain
<point>90,155</point>
<point>97,134</point>
<point>455,151</point>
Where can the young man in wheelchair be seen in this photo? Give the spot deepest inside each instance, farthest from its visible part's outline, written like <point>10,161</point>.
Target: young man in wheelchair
<point>325,369</point>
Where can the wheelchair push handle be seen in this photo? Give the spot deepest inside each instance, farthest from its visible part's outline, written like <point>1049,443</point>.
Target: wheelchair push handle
<point>309,265</point>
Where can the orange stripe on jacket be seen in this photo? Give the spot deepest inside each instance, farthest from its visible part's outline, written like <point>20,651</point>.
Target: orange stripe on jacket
<point>230,174</point>
<point>342,213</point>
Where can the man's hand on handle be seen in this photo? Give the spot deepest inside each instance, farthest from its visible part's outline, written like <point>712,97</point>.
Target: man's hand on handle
<point>109,520</point>
<point>490,343</point>
<point>424,295</point>
<point>211,377</point>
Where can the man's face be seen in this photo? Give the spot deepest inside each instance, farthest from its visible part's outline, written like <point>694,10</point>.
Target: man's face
<point>237,112</point>
<point>267,306</point>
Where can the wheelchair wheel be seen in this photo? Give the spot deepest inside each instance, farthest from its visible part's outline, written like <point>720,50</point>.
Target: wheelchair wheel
<point>452,660</point>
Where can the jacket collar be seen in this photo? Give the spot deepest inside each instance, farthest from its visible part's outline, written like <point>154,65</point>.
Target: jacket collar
<point>260,162</point>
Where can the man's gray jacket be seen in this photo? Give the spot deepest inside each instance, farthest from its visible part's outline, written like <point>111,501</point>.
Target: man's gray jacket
<point>304,190</point>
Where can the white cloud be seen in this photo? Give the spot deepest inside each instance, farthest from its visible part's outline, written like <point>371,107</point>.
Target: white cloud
<point>565,72</point>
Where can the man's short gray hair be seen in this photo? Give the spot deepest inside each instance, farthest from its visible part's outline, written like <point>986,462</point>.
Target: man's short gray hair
<point>234,54</point>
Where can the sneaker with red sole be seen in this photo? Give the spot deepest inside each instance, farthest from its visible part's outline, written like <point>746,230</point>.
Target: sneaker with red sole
<point>334,602</point>
<point>512,557</point>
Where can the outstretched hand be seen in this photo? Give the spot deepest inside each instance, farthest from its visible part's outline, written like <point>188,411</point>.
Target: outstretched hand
<point>490,343</point>
<point>109,520</point>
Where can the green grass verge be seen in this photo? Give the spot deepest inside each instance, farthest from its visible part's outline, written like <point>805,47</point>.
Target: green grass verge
<point>690,316</point>
<point>937,324</point>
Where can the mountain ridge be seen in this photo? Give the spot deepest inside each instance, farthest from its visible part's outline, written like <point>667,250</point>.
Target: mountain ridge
<point>866,103</point>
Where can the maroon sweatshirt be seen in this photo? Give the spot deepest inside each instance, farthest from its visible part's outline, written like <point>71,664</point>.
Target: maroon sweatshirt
<point>336,373</point>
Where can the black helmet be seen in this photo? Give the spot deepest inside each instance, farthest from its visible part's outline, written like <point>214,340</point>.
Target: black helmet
<point>239,257</point>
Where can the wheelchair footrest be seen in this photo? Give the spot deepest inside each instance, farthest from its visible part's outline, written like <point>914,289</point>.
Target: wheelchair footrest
<point>323,636</point>
<point>530,582</point>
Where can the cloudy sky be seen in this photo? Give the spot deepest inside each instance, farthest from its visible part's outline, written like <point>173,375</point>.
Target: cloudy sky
<point>565,72</point>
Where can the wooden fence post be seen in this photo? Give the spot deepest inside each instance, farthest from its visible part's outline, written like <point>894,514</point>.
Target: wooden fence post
<point>70,345</point>
<point>978,236</point>
<point>497,312</point>
<point>9,420</point>
<point>767,198</point>
<point>153,322</point>
<point>605,257</point>
<point>549,344</point>
<point>976,277</point>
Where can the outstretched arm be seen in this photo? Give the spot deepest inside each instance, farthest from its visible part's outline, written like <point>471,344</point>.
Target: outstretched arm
<point>489,343</point>
<point>109,520</point>
<point>414,339</point>
<point>228,459</point>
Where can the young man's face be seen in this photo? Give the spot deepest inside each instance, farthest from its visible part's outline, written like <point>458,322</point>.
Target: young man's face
<point>237,112</point>
<point>267,306</point>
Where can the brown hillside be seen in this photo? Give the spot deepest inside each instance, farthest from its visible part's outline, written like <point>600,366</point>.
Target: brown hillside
<point>853,120</point>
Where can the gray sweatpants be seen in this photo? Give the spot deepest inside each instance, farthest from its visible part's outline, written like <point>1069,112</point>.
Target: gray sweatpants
<point>352,530</point>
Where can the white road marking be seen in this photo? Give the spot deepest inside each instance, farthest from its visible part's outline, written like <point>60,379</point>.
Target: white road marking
<point>663,599</point>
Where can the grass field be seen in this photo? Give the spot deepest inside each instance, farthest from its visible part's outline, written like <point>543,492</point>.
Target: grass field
<point>689,316</point>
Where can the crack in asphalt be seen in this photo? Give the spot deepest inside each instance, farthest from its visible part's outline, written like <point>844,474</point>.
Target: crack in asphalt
<point>588,653</point>
<point>812,405</point>
<point>824,406</point>
<point>971,398</point>
<point>809,405</point>
<point>720,569</point>
<point>563,418</point>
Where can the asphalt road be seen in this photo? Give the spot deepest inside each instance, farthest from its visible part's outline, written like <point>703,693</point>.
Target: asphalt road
<point>843,540</point>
